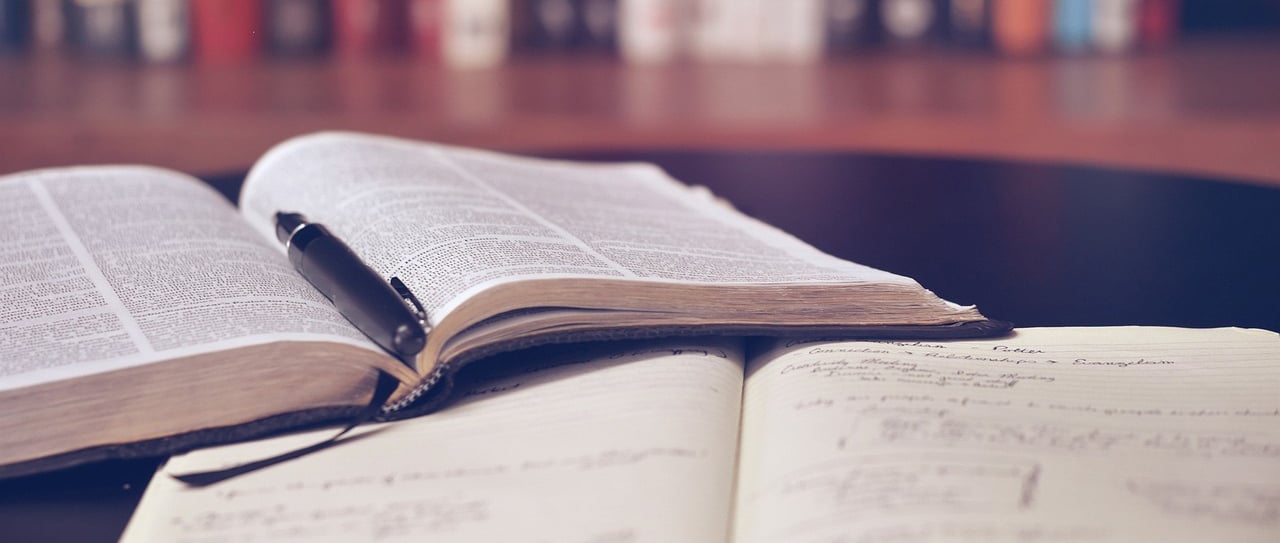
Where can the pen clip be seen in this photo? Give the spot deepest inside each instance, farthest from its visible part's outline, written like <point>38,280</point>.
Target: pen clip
<point>412,301</point>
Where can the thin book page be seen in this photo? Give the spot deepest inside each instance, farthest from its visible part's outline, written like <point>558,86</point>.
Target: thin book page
<point>635,444</point>
<point>451,221</point>
<point>115,266</point>
<point>1104,434</point>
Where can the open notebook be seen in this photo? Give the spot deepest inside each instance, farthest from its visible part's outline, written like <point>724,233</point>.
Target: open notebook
<point>1066,434</point>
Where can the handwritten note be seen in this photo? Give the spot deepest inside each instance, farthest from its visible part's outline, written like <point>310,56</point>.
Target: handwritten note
<point>636,445</point>
<point>1053,435</point>
<point>1117,434</point>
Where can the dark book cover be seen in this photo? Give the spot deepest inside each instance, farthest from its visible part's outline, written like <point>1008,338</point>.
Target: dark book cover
<point>597,25</point>
<point>547,24</point>
<point>969,22</point>
<point>101,29</point>
<point>851,24</point>
<point>298,27</point>
<point>15,24</point>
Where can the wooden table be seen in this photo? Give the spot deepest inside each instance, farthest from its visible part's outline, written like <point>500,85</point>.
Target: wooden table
<point>1035,244</point>
<point>1207,106</point>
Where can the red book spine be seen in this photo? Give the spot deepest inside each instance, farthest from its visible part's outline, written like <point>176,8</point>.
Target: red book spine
<point>1157,22</point>
<point>1021,27</point>
<point>227,30</point>
<point>364,27</point>
<point>426,25</point>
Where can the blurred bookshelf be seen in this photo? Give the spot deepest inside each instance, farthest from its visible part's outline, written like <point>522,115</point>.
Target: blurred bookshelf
<point>1191,89</point>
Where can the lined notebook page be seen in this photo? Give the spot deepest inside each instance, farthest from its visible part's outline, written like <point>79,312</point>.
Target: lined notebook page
<point>635,445</point>
<point>1102,434</point>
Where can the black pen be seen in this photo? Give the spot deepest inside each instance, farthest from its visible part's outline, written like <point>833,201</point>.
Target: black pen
<point>387,313</point>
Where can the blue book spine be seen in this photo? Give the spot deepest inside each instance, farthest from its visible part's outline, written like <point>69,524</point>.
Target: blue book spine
<point>1072,24</point>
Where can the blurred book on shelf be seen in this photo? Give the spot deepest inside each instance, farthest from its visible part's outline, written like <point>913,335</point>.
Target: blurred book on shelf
<point>226,30</point>
<point>426,27</point>
<point>475,33</point>
<point>1072,25</point>
<point>969,23</point>
<point>1157,22</point>
<point>651,31</point>
<point>911,22</point>
<point>297,28</point>
<point>368,28</point>
<point>14,25</point>
<point>486,33</point>
<point>1114,24</point>
<point>545,24</point>
<point>164,29</point>
<point>101,28</point>
<point>1021,27</point>
<point>850,24</point>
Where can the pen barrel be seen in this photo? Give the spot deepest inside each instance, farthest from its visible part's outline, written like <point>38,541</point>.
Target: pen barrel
<point>358,292</point>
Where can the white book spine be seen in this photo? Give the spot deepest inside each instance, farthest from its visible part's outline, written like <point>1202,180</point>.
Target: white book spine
<point>728,30</point>
<point>476,33</point>
<point>908,20</point>
<point>1115,24</point>
<point>792,30</point>
<point>759,30</point>
<point>649,30</point>
<point>163,30</point>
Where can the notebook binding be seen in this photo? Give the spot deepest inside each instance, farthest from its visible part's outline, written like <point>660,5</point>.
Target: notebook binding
<point>417,392</point>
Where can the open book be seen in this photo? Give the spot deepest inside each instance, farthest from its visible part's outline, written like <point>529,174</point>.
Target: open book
<point>1053,434</point>
<point>140,306</point>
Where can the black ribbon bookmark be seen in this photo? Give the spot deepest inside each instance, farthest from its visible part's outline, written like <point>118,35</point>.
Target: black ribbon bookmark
<point>381,393</point>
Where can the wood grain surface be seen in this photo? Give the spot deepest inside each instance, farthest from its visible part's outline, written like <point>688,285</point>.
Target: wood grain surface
<point>1208,107</point>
